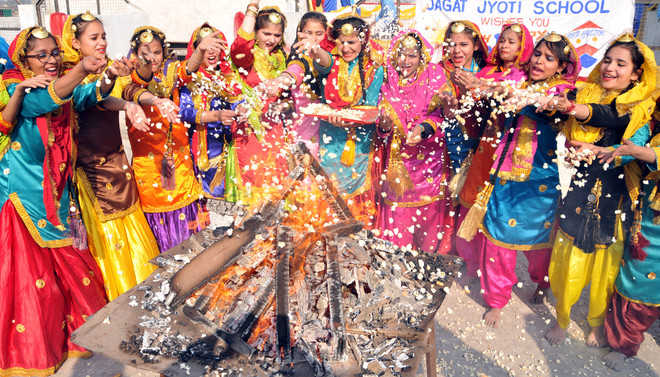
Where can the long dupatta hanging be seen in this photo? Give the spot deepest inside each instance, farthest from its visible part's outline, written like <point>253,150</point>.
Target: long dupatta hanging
<point>520,158</point>
<point>639,102</point>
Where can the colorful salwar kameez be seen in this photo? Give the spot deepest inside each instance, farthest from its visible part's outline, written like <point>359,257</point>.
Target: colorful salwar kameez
<point>49,287</point>
<point>174,210</point>
<point>593,215</point>
<point>212,143</point>
<point>118,235</point>
<point>416,210</point>
<point>520,213</point>
<point>462,138</point>
<point>635,304</point>
<point>348,154</point>
<point>261,143</point>
<point>482,159</point>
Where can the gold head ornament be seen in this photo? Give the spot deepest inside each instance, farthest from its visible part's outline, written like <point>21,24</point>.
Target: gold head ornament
<point>39,33</point>
<point>409,42</point>
<point>626,38</point>
<point>516,28</point>
<point>275,18</point>
<point>347,29</point>
<point>146,36</point>
<point>552,37</point>
<point>205,32</point>
<point>458,27</point>
<point>87,16</point>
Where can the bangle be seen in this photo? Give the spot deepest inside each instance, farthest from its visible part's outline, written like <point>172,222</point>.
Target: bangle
<point>251,8</point>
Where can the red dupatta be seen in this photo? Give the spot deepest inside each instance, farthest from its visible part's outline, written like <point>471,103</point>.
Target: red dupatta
<point>55,130</point>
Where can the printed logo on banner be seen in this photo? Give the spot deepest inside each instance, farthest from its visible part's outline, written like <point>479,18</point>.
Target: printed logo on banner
<point>590,24</point>
<point>588,39</point>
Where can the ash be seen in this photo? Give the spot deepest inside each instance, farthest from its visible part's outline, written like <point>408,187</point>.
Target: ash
<point>387,298</point>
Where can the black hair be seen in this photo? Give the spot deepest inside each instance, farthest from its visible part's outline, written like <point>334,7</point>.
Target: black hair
<point>80,24</point>
<point>159,36</point>
<point>262,19</point>
<point>559,50</point>
<point>316,16</point>
<point>478,54</point>
<point>313,83</point>
<point>362,30</point>
<point>30,40</point>
<point>635,53</point>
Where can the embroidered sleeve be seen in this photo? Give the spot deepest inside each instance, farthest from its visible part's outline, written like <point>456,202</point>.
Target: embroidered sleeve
<point>40,101</point>
<point>187,110</point>
<point>606,116</point>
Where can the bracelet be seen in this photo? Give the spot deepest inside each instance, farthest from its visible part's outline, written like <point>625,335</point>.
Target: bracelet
<point>251,8</point>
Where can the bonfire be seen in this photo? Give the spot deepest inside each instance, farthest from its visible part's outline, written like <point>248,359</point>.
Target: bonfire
<point>294,286</point>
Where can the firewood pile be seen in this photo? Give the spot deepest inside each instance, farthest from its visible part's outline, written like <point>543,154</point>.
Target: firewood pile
<point>267,294</point>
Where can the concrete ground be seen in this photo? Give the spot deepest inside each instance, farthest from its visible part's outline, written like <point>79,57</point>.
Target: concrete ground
<point>468,348</point>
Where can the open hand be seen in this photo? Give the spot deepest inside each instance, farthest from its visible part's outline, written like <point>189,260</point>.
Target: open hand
<point>168,109</point>
<point>212,43</point>
<point>93,64</point>
<point>40,81</point>
<point>414,136</point>
<point>121,67</point>
<point>136,116</point>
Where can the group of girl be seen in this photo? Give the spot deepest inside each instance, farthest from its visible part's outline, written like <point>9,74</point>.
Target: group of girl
<point>461,159</point>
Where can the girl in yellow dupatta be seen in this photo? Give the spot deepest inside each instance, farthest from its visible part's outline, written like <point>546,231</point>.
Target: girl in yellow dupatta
<point>615,104</point>
<point>119,236</point>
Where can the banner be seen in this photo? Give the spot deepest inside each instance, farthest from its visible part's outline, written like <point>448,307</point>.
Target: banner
<point>590,24</point>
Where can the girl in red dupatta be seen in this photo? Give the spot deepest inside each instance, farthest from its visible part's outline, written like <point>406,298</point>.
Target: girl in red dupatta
<point>50,283</point>
<point>505,66</point>
<point>261,145</point>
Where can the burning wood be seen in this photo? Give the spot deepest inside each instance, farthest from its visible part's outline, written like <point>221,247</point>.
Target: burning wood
<point>277,294</point>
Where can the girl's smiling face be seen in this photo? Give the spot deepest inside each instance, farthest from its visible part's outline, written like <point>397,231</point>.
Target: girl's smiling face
<point>44,57</point>
<point>617,70</point>
<point>350,46</point>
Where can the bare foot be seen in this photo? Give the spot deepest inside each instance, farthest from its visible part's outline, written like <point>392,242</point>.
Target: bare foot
<point>555,335</point>
<point>492,317</point>
<point>596,337</point>
<point>614,360</point>
<point>539,296</point>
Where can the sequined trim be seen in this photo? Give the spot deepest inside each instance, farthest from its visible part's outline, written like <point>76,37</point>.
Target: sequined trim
<point>513,246</point>
<point>57,99</point>
<point>84,184</point>
<point>415,204</point>
<point>27,220</point>
<point>635,301</point>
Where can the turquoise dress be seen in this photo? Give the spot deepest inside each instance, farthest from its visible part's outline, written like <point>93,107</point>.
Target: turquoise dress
<point>639,280</point>
<point>520,214</point>
<point>41,149</point>
<point>352,179</point>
